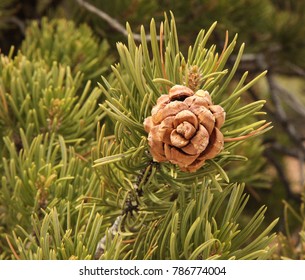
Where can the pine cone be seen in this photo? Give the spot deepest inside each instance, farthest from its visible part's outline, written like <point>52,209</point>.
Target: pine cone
<point>184,128</point>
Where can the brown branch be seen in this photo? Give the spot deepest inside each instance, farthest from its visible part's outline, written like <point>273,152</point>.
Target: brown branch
<point>19,23</point>
<point>281,173</point>
<point>278,148</point>
<point>286,124</point>
<point>282,116</point>
<point>11,247</point>
<point>112,22</point>
<point>290,99</point>
<point>296,70</point>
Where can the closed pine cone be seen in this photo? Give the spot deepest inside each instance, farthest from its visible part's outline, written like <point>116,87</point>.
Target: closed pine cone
<point>184,128</point>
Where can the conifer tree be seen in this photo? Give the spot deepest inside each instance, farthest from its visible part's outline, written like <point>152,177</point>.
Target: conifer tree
<point>82,181</point>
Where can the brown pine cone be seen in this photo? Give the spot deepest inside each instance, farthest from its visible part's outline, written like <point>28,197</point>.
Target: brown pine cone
<point>184,128</point>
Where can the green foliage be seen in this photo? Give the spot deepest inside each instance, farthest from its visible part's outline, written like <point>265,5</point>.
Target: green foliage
<point>53,239</point>
<point>45,196</point>
<point>38,100</point>
<point>48,121</point>
<point>194,227</point>
<point>254,162</point>
<point>60,41</point>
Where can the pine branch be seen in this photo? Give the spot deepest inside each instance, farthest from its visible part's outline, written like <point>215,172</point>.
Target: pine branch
<point>158,228</point>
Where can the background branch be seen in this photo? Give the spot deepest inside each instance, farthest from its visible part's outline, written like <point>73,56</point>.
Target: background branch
<point>16,21</point>
<point>112,22</point>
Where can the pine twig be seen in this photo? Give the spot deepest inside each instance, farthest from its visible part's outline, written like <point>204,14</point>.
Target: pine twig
<point>19,23</point>
<point>289,98</point>
<point>100,248</point>
<point>112,22</point>
<point>129,207</point>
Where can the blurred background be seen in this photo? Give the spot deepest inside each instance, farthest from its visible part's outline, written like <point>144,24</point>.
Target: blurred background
<point>274,33</point>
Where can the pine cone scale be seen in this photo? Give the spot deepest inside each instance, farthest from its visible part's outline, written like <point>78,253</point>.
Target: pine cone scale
<point>215,146</point>
<point>186,116</point>
<point>165,129</point>
<point>178,92</point>
<point>186,129</point>
<point>198,143</point>
<point>205,117</point>
<point>219,115</point>
<point>178,140</point>
<point>178,157</point>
